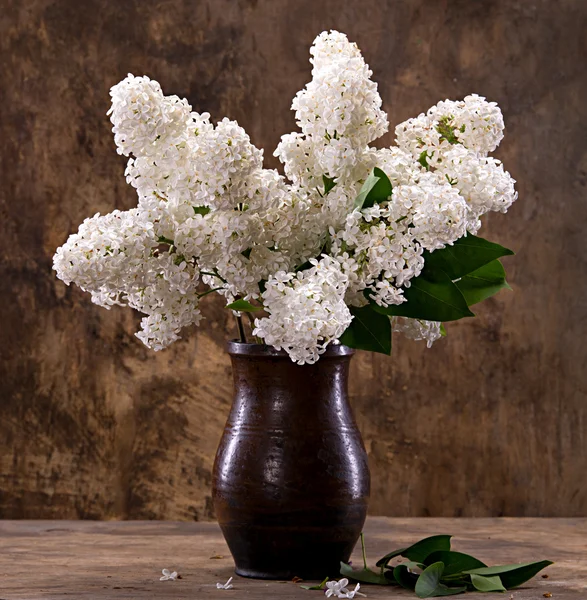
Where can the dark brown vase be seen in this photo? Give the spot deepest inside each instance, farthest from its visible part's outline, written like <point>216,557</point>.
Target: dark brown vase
<point>291,479</point>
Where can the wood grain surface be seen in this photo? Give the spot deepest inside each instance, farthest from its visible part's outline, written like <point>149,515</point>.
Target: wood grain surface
<point>491,421</point>
<point>42,560</point>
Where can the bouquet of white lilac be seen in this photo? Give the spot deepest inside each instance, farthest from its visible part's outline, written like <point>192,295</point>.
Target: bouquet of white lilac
<point>352,244</point>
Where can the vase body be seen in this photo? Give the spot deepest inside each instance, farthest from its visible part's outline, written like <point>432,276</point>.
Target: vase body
<point>291,478</point>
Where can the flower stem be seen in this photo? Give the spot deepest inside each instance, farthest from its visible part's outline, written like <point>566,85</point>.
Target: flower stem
<point>363,549</point>
<point>209,292</point>
<point>252,322</point>
<point>213,275</point>
<point>241,329</point>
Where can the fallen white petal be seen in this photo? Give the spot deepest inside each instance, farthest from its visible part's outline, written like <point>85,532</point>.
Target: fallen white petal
<point>353,593</point>
<point>168,575</point>
<point>339,589</point>
<point>225,586</point>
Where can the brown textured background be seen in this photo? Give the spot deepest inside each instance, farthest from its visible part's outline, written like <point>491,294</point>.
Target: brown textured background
<point>491,421</point>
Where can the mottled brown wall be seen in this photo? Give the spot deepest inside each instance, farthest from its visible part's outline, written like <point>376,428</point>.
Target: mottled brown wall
<point>491,421</point>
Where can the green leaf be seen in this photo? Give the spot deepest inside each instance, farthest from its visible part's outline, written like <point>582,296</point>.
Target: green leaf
<point>163,240</point>
<point>201,210</point>
<point>429,586</point>
<point>320,586</point>
<point>406,579</point>
<point>483,282</point>
<point>487,584</point>
<point>454,562</point>
<point>243,305</point>
<point>384,561</point>
<point>447,130</point>
<point>443,590</point>
<point>363,575</point>
<point>247,253</point>
<point>328,184</point>
<point>423,160</point>
<point>377,188</point>
<point>420,550</point>
<point>464,581</point>
<point>369,330</point>
<point>439,300</point>
<point>429,580</point>
<point>442,330</point>
<point>466,255</point>
<point>304,266</point>
<point>512,575</point>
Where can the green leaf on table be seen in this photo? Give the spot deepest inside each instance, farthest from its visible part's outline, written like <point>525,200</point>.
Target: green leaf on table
<point>201,210</point>
<point>483,282</point>
<point>429,585</point>
<point>369,330</point>
<point>377,188</point>
<point>385,559</point>
<point>457,582</point>
<point>454,562</point>
<point>442,330</point>
<point>420,550</point>
<point>363,575</point>
<point>487,584</point>
<point>429,580</point>
<point>406,579</point>
<point>466,255</point>
<point>512,575</point>
<point>328,184</point>
<point>320,586</point>
<point>412,564</point>
<point>444,590</point>
<point>439,300</point>
<point>243,306</point>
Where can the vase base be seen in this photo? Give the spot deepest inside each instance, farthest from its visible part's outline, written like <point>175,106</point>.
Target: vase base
<point>303,574</point>
<point>309,545</point>
<point>252,574</point>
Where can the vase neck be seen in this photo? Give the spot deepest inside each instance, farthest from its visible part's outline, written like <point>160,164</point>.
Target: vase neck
<point>273,389</point>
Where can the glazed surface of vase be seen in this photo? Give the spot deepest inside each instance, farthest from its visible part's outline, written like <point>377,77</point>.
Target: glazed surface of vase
<point>291,478</point>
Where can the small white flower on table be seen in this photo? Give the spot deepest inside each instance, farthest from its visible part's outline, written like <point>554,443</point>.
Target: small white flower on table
<point>167,574</point>
<point>225,586</point>
<point>339,589</point>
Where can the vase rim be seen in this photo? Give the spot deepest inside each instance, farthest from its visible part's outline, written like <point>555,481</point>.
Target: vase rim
<point>236,348</point>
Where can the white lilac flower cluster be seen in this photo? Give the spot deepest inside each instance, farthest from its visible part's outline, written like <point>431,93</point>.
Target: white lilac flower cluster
<point>209,214</point>
<point>339,113</point>
<point>307,310</point>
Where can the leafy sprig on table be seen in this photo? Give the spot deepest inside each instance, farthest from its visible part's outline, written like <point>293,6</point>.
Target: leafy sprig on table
<point>432,569</point>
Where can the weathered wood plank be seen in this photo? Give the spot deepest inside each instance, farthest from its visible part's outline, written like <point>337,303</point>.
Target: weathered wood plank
<point>45,560</point>
<point>489,422</point>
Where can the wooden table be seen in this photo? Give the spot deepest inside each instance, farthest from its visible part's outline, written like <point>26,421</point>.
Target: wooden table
<point>115,560</point>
